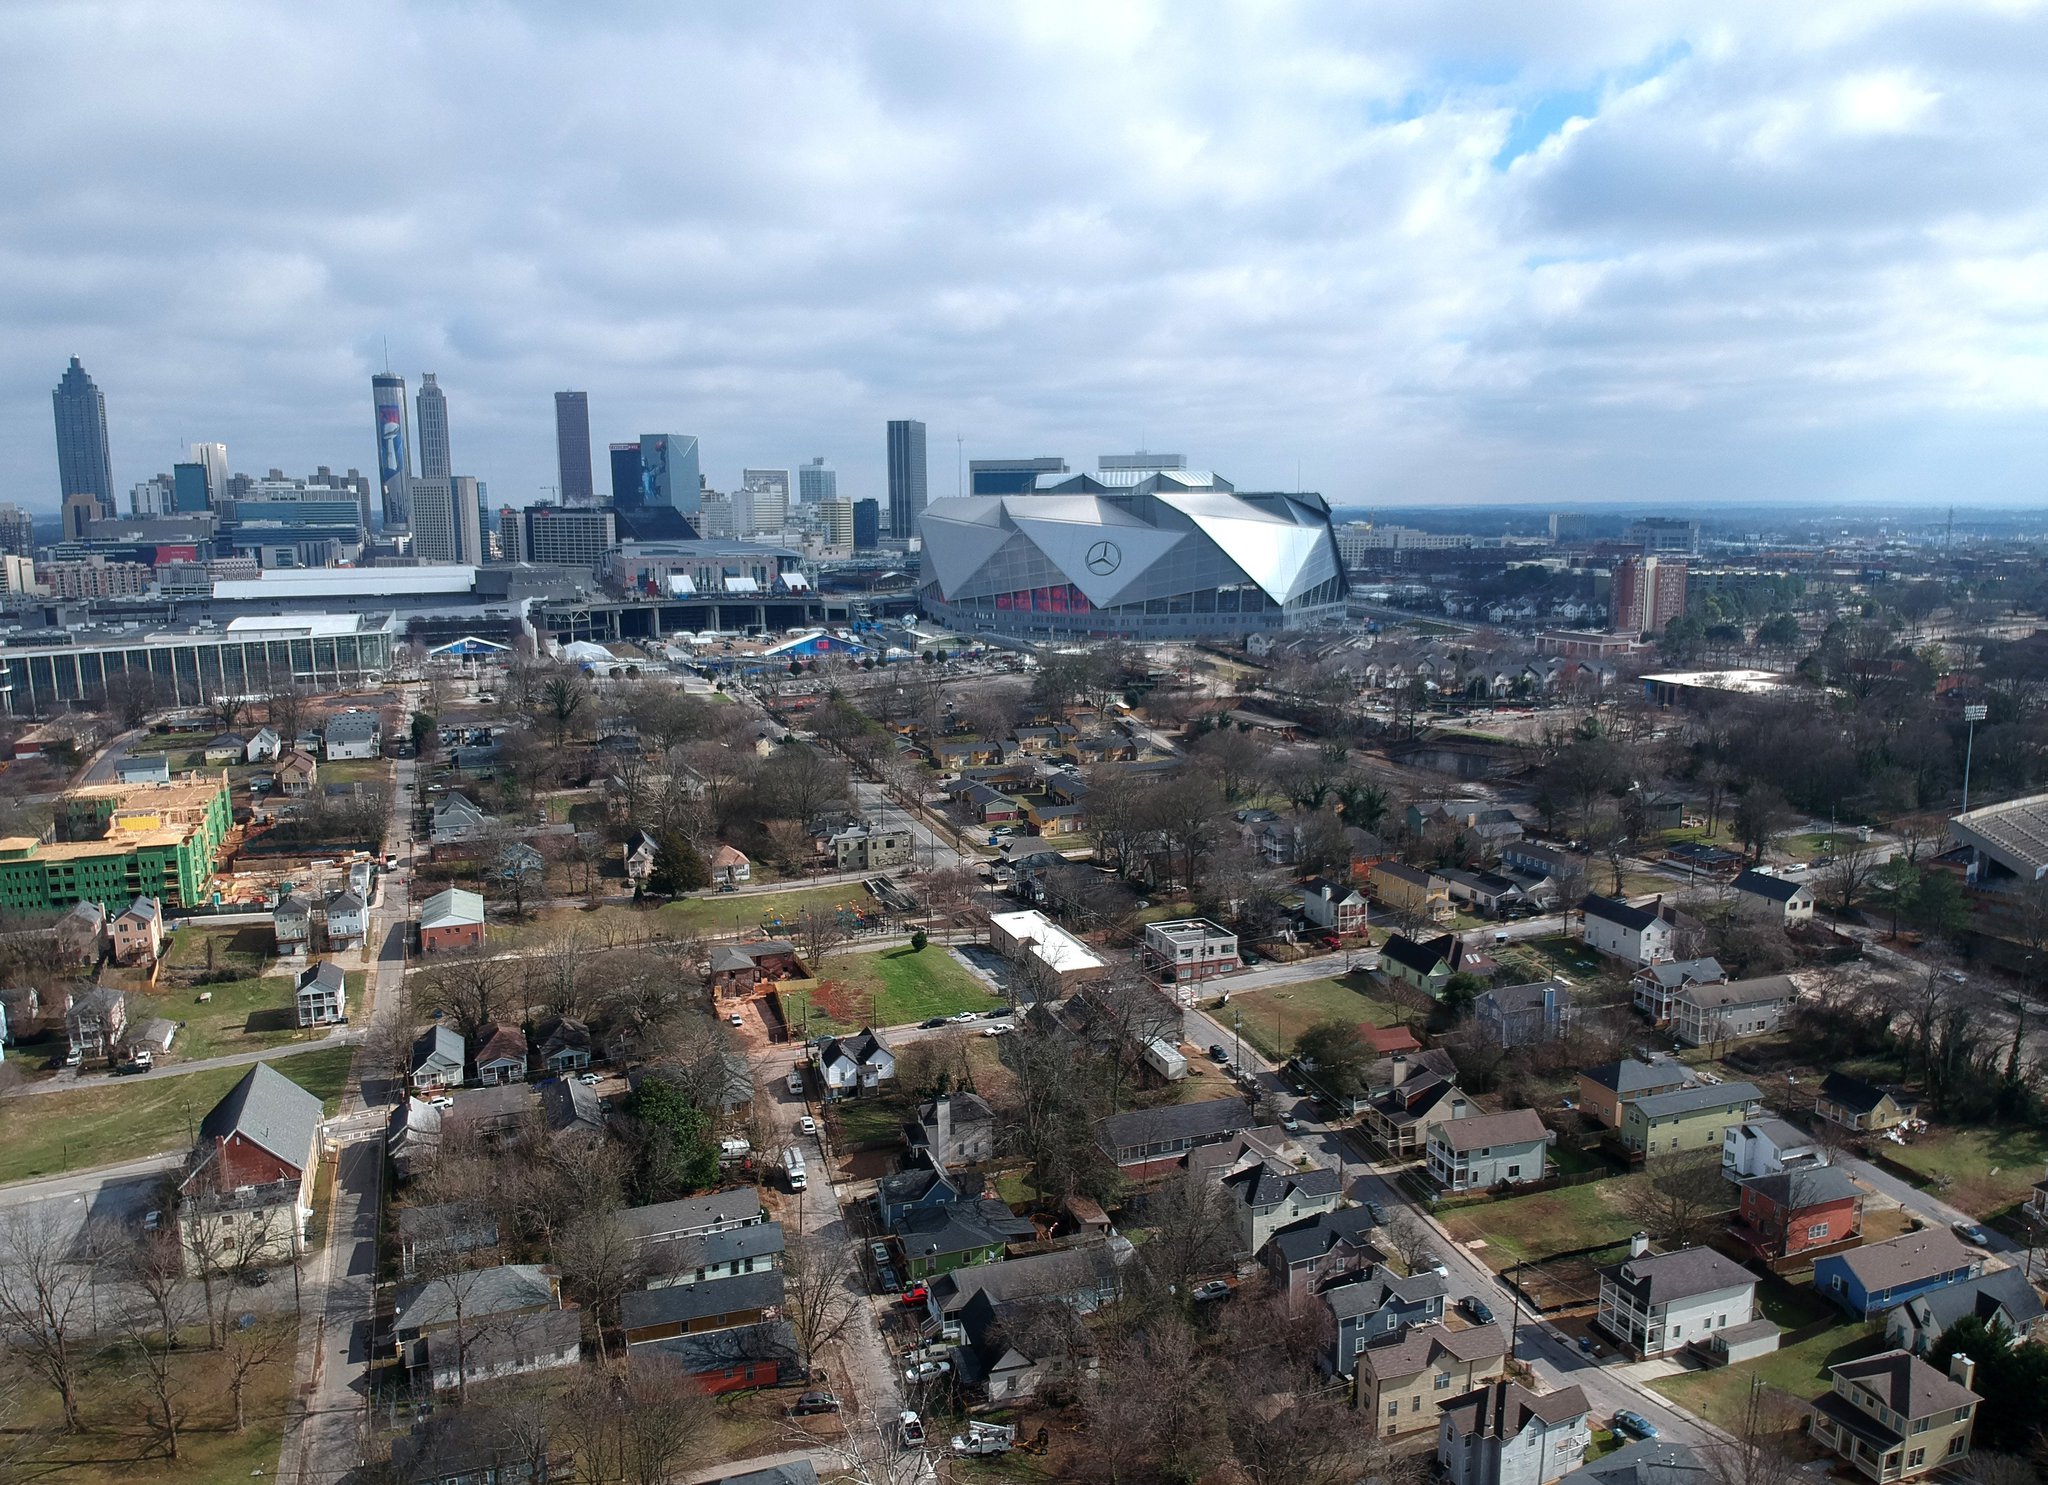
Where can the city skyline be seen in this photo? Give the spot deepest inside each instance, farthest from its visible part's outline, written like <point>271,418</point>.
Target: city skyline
<point>1698,254</point>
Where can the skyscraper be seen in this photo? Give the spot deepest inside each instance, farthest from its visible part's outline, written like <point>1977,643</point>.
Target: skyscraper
<point>434,461</point>
<point>835,523</point>
<point>906,477</point>
<point>867,525</point>
<point>188,489</point>
<point>17,531</point>
<point>626,475</point>
<point>84,466</point>
<point>1649,592</point>
<point>776,480</point>
<point>394,443</point>
<point>814,482</point>
<point>669,473</point>
<point>572,447</point>
<point>1009,476</point>
<point>469,498</point>
<point>214,456</point>
<point>444,520</point>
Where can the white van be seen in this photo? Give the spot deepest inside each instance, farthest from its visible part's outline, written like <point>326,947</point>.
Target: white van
<point>796,1082</point>
<point>733,1149</point>
<point>793,1169</point>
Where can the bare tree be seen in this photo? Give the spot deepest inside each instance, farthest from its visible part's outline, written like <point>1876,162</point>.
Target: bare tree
<point>46,1300</point>
<point>821,1291</point>
<point>155,1303</point>
<point>601,1263</point>
<point>1680,1198</point>
<point>1194,1232</point>
<point>1407,1238</point>
<point>637,1428</point>
<point>818,933</point>
<point>250,1349</point>
<point>285,708</point>
<point>470,990</point>
<point>1762,1448</point>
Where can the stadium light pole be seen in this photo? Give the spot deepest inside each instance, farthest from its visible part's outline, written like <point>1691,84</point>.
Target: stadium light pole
<point>1972,715</point>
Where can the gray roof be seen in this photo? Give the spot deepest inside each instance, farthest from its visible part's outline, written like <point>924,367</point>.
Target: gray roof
<point>1484,1131</point>
<point>326,975</point>
<point>485,1291</point>
<point>1629,1076</point>
<point>1645,1462</point>
<point>694,1213</point>
<point>1666,1278</point>
<point>1529,997</point>
<point>1799,1189</point>
<point>959,1227</point>
<point>1503,1409</point>
<point>1059,1274</point>
<point>353,726</point>
<point>1760,991</point>
<point>1261,1185</point>
<point>702,1300</point>
<point>737,1345</point>
<point>344,901</point>
<point>1673,973</point>
<point>1144,1128</point>
<point>271,1111</point>
<point>1853,1094</point>
<point>441,1044</point>
<point>1406,952</point>
<point>1614,910</point>
<point>292,906</point>
<point>568,1104</point>
<point>1906,1259</point>
<point>1984,1298</point>
<point>1416,1347</point>
<point>1908,1385</point>
<point>1369,1295</point>
<point>1759,884</point>
<point>1300,1242</point>
<point>1698,1100</point>
<point>523,1338</point>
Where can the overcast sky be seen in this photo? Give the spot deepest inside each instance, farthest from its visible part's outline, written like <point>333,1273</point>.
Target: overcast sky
<point>1419,251</point>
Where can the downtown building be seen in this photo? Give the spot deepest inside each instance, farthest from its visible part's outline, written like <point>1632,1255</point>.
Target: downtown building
<point>1649,592</point>
<point>84,467</point>
<point>906,477</point>
<point>1144,552</point>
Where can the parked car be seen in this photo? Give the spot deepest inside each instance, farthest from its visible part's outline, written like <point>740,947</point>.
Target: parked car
<point>589,1080</point>
<point>1377,1212</point>
<point>1477,1310</point>
<point>915,1294</point>
<point>1289,1123</point>
<point>441,1101</point>
<point>1634,1424</point>
<point>1429,1263</point>
<point>814,1402</point>
<point>997,1030</point>
<point>933,1023</point>
<point>806,1125</point>
<point>153,1221</point>
<point>1972,1234</point>
<point>886,1281</point>
<point>998,1012</point>
<point>961,1016</point>
<point>925,1371</point>
<point>1217,1052</point>
<point>1213,1290</point>
<point>737,1019</point>
<point>909,1429</point>
<point>1249,959</point>
<point>879,1252</point>
<point>256,1278</point>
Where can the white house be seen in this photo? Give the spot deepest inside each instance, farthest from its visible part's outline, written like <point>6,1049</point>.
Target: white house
<point>1768,1147</point>
<point>322,996</point>
<point>354,734</point>
<point>291,922</point>
<point>1653,1303</point>
<point>264,746</point>
<point>855,1064</point>
<point>1635,935</point>
<point>1782,901</point>
<point>1504,1434</point>
<point>1333,906</point>
<point>1704,1014</point>
<point>1488,1150</point>
<point>348,920</point>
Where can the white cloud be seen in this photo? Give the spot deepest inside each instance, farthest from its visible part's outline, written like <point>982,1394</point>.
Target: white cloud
<point>1753,250</point>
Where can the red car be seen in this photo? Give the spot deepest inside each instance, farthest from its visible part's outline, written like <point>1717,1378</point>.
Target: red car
<point>914,1295</point>
<point>1331,941</point>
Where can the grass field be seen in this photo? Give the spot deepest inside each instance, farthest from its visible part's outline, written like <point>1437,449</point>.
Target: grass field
<point>54,1132</point>
<point>245,949</point>
<point>243,1016</point>
<point>723,913</point>
<point>1274,1017</point>
<point>1983,1170</point>
<point>888,987</point>
<point>355,771</point>
<point>1544,1222</point>
<point>1721,1394</point>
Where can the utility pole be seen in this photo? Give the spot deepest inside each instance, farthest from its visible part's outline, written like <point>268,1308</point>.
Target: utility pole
<point>1972,715</point>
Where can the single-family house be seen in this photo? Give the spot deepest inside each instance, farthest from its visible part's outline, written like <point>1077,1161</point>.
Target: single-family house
<point>1655,984</point>
<point>348,920</point>
<point>296,773</point>
<point>733,1253</point>
<point>853,1065</point>
<point>1374,1305</point>
<point>1413,963</point>
<point>730,866</point>
<point>1305,1255</point>
<point>638,856</point>
<point>734,1360</point>
<point>21,1008</point>
<point>990,806</point>
<point>1401,1381</point>
<point>1504,1434</point>
<point>472,1301</point>
<point>291,925</point>
<point>452,920</point>
<point>1782,1215</point>
<point>736,969</point>
<point>918,1187</point>
<point>1332,906</point>
<point>938,1239</point>
<point>1689,1120</point>
<point>264,746</point>
<point>437,1059</point>
<point>137,932</point>
<point>572,1111</point>
<point>1634,935</point>
<point>1422,1093</point>
<point>1653,1303</point>
<point>1487,893</point>
<point>1148,1142</point>
<point>354,734</point>
<point>1709,1015</point>
<point>1488,1150</point>
<point>500,1055</point>
<point>1263,1196</point>
<point>1851,1103</point>
<point>247,1188</point>
<point>1646,1462</point>
<point>1523,1015</point>
<point>81,934</point>
<point>96,1020</point>
<point>229,747</point>
<point>412,1137</point>
<point>455,817</point>
<point>1083,1277</point>
<point>2037,1205</point>
<point>143,768</point>
<point>1411,890</point>
<point>655,1229</point>
<point>2001,1298</point>
<point>1893,1417</point>
<point>440,1232</point>
<point>320,998</point>
<point>490,1114</point>
<point>649,1315</point>
<point>1764,1147</point>
<point>564,1044</point>
<point>1606,1089</point>
<point>474,1445</point>
<point>1877,1277</point>
<point>1546,874</point>
<point>1780,899</point>
<point>953,1130</point>
<point>513,1346</point>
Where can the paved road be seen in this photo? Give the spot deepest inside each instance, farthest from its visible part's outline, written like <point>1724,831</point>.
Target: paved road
<point>101,769</point>
<point>1556,1361</point>
<point>115,1192</point>
<point>71,1084</point>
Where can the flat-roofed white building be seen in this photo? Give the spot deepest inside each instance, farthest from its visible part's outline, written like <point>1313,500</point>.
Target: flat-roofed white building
<point>1190,948</point>
<point>1033,939</point>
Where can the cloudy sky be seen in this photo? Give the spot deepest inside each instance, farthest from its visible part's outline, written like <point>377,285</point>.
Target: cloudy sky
<point>1404,251</point>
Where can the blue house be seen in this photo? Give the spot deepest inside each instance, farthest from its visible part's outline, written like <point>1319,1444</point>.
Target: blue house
<point>919,1189</point>
<point>1870,1280</point>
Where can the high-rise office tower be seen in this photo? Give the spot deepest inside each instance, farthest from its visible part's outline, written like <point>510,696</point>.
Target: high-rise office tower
<point>84,466</point>
<point>1649,592</point>
<point>17,531</point>
<point>155,496</point>
<point>867,525</point>
<point>433,405</point>
<point>776,480</point>
<point>79,512</point>
<point>188,489</point>
<point>469,497</point>
<point>1009,476</point>
<point>626,476</point>
<point>669,472</point>
<point>815,482</point>
<point>572,447</point>
<point>214,456</point>
<point>437,526</point>
<point>394,443</point>
<point>906,477</point>
<point>835,523</point>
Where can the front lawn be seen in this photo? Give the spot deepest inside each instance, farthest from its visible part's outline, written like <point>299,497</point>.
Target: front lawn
<point>887,987</point>
<point>1544,1222</point>
<point>866,1121</point>
<point>776,914</point>
<point>1273,1018</point>
<point>355,771</point>
<point>198,950</point>
<point>1982,1170</point>
<point>126,1120</point>
<point>1721,1393</point>
<point>243,1015</point>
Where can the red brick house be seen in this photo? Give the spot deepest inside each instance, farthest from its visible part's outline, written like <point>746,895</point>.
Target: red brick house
<point>451,922</point>
<point>247,1187</point>
<point>1798,1210</point>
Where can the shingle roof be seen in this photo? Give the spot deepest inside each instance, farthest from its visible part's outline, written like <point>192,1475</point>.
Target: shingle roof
<point>1905,1259</point>
<point>353,727</point>
<point>1503,1409</point>
<point>701,1300</point>
<point>1416,1347</point>
<point>1041,1276</point>
<point>441,1043</point>
<point>1665,1278</point>
<point>1762,990</point>
<point>1646,1462</point>
<point>487,1291</point>
<point>716,1209</point>
<point>1852,1094</point>
<point>1760,884</point>
<point>269,1110</point>
<point>2002,1289</point>
<point>1800,1189</point>
<point>1366,1296</point>
<point>1402,872</point>
<point>1673,973</point>
<point>326,975</point>
<point>1698,1100</point>
<point>1174,1122</point>
<point>1630,1076</point>
<point>1299,1242</point>
<point>1614,910</point>
<point>1409,954</point>
<point>1516,1127</point>
<point>1908,1385</point>
<point>1260,1185</point>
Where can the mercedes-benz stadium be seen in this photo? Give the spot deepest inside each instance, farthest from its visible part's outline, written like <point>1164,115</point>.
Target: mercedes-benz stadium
<point>1138,553</point>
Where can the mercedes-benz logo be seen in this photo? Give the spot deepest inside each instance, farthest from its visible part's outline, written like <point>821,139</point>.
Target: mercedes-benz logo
<point>1104,558</point>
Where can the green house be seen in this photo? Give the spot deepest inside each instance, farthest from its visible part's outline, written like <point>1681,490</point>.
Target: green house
<point>937,1240</point>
